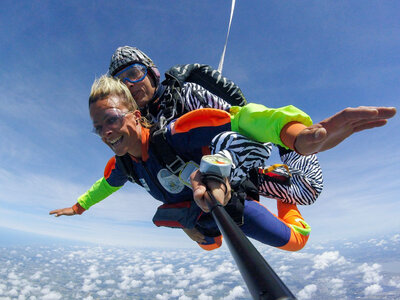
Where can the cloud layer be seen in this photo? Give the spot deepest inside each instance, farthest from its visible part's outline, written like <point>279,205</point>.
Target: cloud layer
<point>330,271</point>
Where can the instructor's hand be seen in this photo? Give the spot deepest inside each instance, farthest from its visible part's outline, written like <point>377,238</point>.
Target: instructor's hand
<point>200,195</point>
<point>68,211</point>
<point>333,130</point>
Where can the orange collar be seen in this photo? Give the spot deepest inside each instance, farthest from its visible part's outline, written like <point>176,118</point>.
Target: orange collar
<point>145,145</point>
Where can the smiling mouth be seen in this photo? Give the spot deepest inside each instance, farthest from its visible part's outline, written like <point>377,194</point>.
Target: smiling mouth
<point>116,141</point>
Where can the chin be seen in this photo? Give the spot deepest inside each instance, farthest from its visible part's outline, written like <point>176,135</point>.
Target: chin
<point>118,152</point>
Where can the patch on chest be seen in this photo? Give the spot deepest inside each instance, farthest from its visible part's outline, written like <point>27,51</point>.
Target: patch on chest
<point>170,181</point>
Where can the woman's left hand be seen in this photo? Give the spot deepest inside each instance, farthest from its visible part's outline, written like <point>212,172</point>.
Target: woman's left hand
<point>68,211</point>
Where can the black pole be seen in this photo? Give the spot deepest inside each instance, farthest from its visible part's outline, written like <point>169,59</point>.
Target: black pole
<point>260,278</point>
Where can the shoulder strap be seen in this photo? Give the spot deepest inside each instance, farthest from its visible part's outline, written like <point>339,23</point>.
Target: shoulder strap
<point>166,155</point>
<point>125,164</point>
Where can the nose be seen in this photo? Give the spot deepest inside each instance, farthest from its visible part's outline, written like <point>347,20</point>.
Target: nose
<point>106,131</point>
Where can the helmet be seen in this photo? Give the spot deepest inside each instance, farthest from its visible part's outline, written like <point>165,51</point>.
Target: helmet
<point>125,56</point>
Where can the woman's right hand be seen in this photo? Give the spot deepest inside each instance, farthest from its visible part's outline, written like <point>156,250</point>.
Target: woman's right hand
<point>68,211</point>
<point>218,190</point>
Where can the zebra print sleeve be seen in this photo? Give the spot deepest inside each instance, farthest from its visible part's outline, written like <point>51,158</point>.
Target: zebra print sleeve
<point>195,96</point>
<point>245,154</point>
<point>306,181</point>
<point>306,176</point>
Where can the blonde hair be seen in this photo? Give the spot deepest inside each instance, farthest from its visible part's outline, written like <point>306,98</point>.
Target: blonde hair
<point>107,86</point>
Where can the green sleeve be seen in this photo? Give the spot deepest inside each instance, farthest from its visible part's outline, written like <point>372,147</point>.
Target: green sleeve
<point>99,191</point>
<point>264,124</point>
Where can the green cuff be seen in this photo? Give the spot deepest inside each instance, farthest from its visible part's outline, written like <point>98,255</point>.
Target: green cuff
<point>264,124</point>
<point>304,231</point>
<point>99,191</point>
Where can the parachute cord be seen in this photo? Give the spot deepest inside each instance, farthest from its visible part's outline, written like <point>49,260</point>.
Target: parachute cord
<point>221,62</point>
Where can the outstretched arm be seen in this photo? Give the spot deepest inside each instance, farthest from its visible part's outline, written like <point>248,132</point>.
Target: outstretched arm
<point>100,190</point>
<point>333,130</point>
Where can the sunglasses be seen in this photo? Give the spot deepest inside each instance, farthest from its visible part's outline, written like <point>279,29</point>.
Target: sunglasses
<point>133,73</point>
<point>113,120</point>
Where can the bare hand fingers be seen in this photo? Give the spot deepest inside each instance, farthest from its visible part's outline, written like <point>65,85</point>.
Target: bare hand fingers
<point>56,212</point>
<point>369,125</point>
<point>366,113</point>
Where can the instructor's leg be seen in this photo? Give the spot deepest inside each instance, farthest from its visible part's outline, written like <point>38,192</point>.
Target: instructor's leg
<point>288,231</point>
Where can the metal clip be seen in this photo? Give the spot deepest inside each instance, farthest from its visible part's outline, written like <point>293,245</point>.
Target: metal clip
<point>180,165</point>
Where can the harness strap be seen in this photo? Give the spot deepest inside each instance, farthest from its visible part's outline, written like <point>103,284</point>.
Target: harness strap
<point>165,153</point>
<point>125,164</point>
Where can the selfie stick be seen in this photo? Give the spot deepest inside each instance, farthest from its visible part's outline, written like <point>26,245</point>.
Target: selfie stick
<point>260,278</point>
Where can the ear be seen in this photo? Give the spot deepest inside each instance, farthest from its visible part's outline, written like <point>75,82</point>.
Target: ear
<point>137,115</point>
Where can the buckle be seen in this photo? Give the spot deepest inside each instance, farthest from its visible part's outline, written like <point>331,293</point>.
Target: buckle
<point>180,164</point>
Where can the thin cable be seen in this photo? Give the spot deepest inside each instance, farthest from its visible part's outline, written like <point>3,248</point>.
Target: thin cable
<point>221,62</point>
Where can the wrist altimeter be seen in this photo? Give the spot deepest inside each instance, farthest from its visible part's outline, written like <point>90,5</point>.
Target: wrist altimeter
<point>216,165</point>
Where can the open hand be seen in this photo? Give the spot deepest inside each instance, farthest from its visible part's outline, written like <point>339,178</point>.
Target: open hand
<point>333,130</point>
<point>68,211</point>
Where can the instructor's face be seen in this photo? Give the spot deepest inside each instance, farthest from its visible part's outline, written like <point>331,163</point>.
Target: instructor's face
<point>142,91</point>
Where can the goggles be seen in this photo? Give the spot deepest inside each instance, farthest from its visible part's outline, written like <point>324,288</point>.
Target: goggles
<point>113,120</point>
<point>133,73</point>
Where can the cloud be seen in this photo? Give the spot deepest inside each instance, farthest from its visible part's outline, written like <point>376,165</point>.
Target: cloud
<point>237,291</point>
<point>307,292</point>
<point>165,270</point>
<point>395,282</point>
<point>396,238</point>
<point>102,293</point>
<point>205,297</point>
<point>88,285</point>
<point>372,290</point>
<point>371,272</point>
<point>336,287</point>
<point>183,283</point>
<point>93,273</point>
<point>77,272</point>
<point>327,259</point>
<point>36,276</point>
<point>50,295</point>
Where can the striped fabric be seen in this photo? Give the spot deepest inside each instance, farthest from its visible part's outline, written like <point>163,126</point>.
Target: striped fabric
<point>198,97</point>
<point>306,175</point>
<point>245,154</point>
<point>306,181</point>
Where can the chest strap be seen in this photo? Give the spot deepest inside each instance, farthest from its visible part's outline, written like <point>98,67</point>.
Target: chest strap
<point>166,155</point>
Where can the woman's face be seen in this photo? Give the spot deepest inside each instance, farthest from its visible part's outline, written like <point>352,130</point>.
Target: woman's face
<point>119,128</point>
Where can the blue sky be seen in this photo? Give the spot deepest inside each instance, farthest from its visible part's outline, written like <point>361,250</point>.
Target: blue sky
<point>321,56</point>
